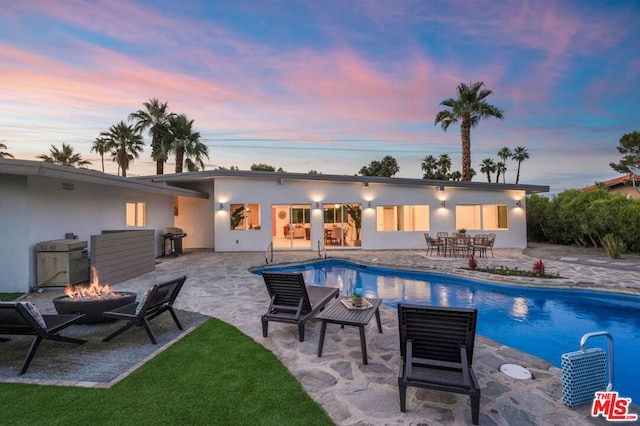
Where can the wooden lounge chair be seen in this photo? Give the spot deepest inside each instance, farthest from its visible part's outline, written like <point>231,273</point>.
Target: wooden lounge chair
<point>436,345</point>
<point>292,301</point>
<point>157,300</point>
<point>22,318</point>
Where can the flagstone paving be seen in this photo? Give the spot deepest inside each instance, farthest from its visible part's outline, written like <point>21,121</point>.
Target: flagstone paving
<point>221,285</point>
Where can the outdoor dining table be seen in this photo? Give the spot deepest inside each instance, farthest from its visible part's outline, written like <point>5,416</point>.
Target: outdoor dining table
<point>337,312</point>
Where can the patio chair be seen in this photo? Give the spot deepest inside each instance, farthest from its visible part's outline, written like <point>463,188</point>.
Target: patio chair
<point>23,318</point>
<point>432,243</point>
<point>491,238</point>
<point>480,243</point>
<point>292,301</point>
<point>436,347</point>
<point>155,301</point>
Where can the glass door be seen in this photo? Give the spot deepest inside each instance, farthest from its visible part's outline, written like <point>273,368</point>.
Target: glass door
<point>342,225</point>
<point>291,226</point>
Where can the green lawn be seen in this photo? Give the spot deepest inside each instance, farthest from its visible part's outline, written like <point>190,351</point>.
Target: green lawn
<point>215,376</point>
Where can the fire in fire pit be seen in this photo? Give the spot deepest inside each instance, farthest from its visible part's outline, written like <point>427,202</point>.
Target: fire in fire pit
<point>92,300</point>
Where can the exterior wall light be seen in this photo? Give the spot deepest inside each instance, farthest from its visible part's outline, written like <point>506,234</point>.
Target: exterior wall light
<point>443,204</point>
<point>518,203</point>
<point>221,206</point>
<point>369,204</point>
<point>365,184</point>
<point>441,188</point>
<point>317,205</point>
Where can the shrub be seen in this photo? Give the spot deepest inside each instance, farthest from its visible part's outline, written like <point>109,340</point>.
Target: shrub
<point>473,263</point>
<point>613,245</point>
<point>538,268</point>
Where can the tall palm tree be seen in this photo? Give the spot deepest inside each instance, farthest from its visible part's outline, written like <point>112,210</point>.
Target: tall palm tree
<point>469,108</point>
<point>102,146</point>
<point>429,166</point>
<point>64,156</point>
<point>488,166</point>
<point>154,117</point>
<point>182,140</point>
<point>504,154</point>
<point>4,154</point>
<point>127,144</point>
<point>519,154</point>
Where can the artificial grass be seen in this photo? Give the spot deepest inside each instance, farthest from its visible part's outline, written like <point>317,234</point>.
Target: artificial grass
<point>215,376</point>
<point>7,297</point>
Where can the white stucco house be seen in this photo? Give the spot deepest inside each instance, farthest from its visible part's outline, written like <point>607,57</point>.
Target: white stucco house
<point>228,210</point>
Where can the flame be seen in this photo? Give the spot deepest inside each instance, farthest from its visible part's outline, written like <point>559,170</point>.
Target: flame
<point>95,290</point>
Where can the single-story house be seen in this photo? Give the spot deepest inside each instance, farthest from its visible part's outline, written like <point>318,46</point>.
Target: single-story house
<point>230,210</point>
<point>623,185</point>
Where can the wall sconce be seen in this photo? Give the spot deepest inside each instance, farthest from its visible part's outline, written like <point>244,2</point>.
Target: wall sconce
<point>365,184</point>
<point>279,181</point>
<point>443,204</point>
<point>221,206</point>
<point>441,188</point>
<point>368,204</point>
<point>317,205</point>
<point>518,203</point>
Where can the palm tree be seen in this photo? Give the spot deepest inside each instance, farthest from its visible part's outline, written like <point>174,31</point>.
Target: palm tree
<point>488,166</point>
<point>501,168</point>
<point>504,154</point>
<point>444,166</point>
<point>5,154</point>
<point>64,156</point>
<point>429,166</point>
<point>102,146</point>
<point>519,154</point>
<point>127,144</point>
<point>184,141</point>
<point>154,117</point>
<point>468,108</point>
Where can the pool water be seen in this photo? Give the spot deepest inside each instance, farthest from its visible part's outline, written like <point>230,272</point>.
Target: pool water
<point>542,322</point>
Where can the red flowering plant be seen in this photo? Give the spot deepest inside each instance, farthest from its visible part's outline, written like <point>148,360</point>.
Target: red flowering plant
<point>473,263</point>
<point>538,268</point>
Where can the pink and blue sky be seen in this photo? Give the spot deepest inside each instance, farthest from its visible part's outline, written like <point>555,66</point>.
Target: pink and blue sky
<point>329,85</point>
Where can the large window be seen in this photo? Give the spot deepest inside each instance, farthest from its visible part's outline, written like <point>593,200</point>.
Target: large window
<point>245,217</point>
<point>136,214</point>
<point>485,217</point>
<point>402,218</point>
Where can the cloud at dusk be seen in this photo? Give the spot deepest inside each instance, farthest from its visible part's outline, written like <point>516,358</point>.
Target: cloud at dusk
<point>332,85</point>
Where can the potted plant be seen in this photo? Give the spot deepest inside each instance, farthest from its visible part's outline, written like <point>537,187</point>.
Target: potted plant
<point>462,231</point>
<point>236,217</point>
<point>355,213</point>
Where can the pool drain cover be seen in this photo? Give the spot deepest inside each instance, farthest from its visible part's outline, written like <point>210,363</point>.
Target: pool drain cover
<point>515,371</point>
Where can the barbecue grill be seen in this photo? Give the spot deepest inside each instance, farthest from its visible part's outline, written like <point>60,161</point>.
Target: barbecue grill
<point>174,236</point>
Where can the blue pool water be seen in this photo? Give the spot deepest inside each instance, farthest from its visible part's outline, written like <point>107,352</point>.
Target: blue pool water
<point>542,322</point>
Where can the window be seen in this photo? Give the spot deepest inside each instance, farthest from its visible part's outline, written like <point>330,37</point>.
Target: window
<point>245,217</point>
<point>136,214</point>
<point>486,217</point>
<point>402,218</point>
<point>301,215</point>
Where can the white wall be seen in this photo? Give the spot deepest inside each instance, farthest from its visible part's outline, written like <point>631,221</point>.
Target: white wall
<point>195,217</point>
<point>14,242</point>
<point>269,192</point>
<point>47,212</point>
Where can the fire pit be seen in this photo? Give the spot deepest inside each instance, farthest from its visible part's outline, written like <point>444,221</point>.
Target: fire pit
<point>92,301</point>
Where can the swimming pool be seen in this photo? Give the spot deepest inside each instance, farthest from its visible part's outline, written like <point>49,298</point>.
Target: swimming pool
<point>542,322</point>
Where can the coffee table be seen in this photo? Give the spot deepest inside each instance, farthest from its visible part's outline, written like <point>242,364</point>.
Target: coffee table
<point>337,313</point>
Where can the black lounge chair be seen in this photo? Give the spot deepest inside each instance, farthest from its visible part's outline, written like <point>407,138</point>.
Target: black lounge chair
<point>292,301</point>
<point>436,345</point>
<point>156,301</point>
<point>22,318</point>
